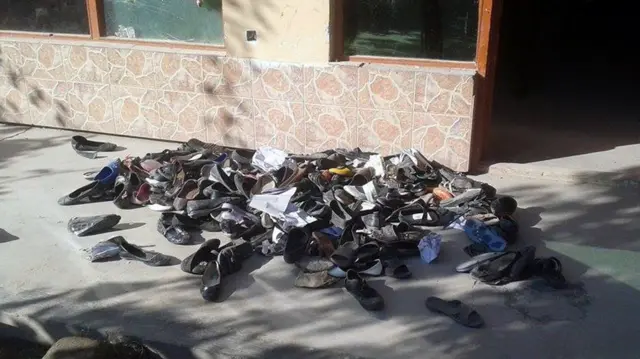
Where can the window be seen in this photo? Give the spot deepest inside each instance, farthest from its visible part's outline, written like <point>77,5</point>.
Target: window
<point>59,16</point>
<point>429,29</point>
<point>178,20</point>
<point>195,21</point>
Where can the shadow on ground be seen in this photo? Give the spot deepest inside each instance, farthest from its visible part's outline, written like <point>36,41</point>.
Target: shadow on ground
<point>592,230</point>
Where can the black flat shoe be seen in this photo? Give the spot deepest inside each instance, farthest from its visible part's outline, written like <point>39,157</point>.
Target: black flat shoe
<point>81,143</point>
<point>92,192</point>
<point>211,281</point>
<point>132,252</point>
<point>84,226</point>
<point>196,262</point>
<point>172,231</point>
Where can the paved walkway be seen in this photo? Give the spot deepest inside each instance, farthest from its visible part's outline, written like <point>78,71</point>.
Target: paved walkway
<point>47,287</point>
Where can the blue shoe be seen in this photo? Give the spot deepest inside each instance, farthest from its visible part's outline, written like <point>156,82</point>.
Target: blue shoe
<point>108,174</point>
<point>479,232</point>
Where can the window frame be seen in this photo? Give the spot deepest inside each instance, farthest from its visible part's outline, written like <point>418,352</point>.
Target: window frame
<point>337,45</point>
<point>97,33</point>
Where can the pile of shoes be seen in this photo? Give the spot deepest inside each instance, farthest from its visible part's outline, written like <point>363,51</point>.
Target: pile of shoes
<point>339,215</point>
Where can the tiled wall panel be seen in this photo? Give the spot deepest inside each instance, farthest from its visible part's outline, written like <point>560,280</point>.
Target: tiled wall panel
<point>237,102</point>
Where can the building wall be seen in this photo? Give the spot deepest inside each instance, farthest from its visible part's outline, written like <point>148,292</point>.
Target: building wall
<point>289,30</point>
<point>279,91</point>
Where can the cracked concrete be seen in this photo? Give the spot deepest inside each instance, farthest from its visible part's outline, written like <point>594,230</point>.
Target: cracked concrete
<point>49,289</point>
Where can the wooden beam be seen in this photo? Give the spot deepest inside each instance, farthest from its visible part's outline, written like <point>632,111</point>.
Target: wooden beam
<point>95,15</point>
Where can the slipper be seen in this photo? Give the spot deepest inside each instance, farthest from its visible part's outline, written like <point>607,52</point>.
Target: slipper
<point>345,255</point>
<point>173,233</point>
<point>467,266</point>
<point>132,252</point>
<point>314,280</point>
<point>455,310</point>
<point>395,268</point>
<point>93,191</point>
<point>296,244</point>
<point>196,262</point>
<point>367,252</point>
<point>494,271</point>
<point>81,143</point>
<point>84,226</point>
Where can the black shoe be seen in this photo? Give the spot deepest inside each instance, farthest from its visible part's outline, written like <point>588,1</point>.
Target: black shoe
<point>172,231</point>
<point>133,252</point>
<point>81,143</point>
<point>196,262</point>
<point>84,226</point>
<point>368,297</point>
<point>211,281</point>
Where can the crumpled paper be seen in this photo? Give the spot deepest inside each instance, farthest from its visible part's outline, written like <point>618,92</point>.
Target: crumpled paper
<point>429,247</point>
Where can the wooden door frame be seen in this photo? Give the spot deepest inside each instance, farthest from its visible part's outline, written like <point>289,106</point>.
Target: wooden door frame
<point>484,82</point>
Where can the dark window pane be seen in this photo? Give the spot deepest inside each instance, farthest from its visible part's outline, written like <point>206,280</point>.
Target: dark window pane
<point>50,16</point>
<point>177,20</point>
<point>433,29</point>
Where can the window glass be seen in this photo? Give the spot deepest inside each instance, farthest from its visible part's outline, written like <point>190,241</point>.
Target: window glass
<point>50,16</point>
<point>434,29</point>
<point>176,20</point>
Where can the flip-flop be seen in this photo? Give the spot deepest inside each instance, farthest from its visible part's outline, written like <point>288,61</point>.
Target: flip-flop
<point>455,310</point>
<point>467,266</point>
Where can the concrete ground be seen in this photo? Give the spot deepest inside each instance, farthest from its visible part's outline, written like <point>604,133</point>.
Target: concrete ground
<point>48,289</point>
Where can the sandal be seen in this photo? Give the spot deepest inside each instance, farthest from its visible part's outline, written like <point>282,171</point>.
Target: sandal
<point>455,310</point>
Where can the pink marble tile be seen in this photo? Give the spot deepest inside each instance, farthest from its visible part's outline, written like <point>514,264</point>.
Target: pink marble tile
<point>444,94</point>
<point>443,138</point>
<point>386,89</point>
<point>12,59</point>
<point>135,112</point>
<point>280,124</point>
<point>87,64</point>
<point>278,81</point>
<point>14,103</point>
<point>178,72</point>
<point>90,107</point>
<point>182,115</point>
<point>229,121</point>
<point>330,127</point>
<point>384,131</point>
<point>43,61</point>
<point>331,85</point>
<point>225,76</point>
<point>131,68</point>
<point>48,103</point>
